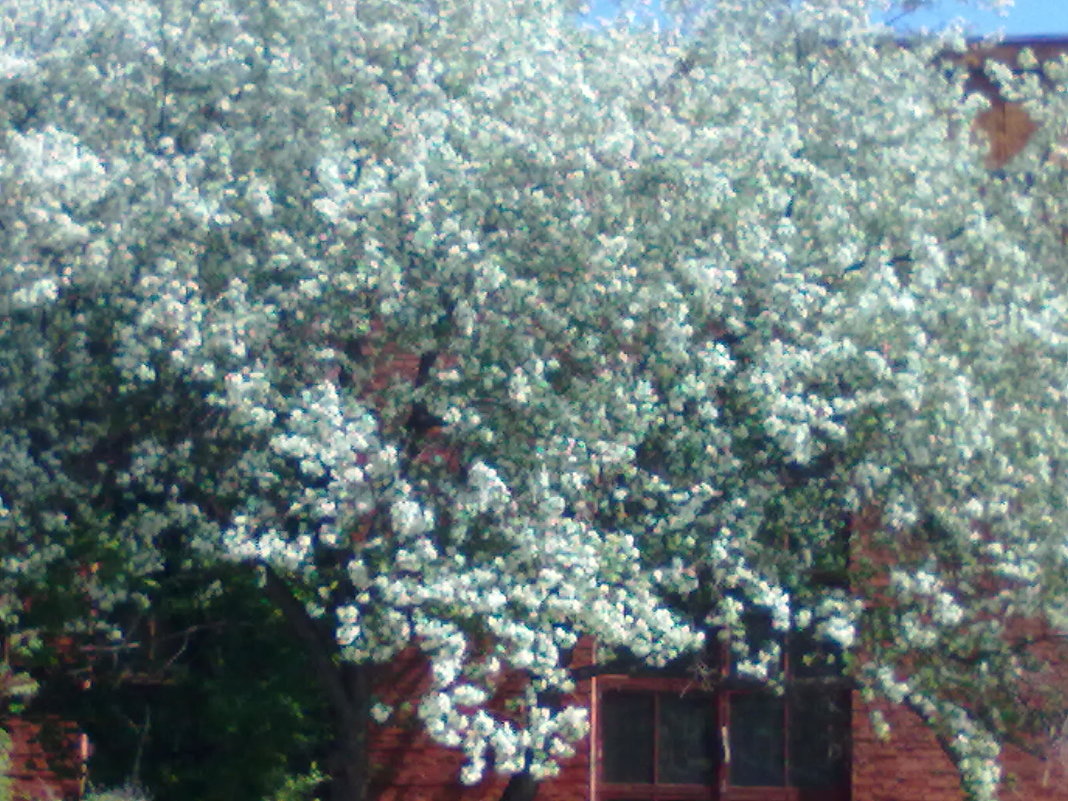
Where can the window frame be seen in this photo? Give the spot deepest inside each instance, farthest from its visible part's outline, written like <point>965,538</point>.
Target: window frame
<point>656,791</point>
<point>723,687</point>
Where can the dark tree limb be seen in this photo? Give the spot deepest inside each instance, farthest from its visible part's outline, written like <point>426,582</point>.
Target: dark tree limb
<point>348,691</point>
<point>521,787</point>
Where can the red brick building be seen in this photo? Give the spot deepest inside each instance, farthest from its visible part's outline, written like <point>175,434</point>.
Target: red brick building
<point>1007,124</point>
<point>670,736</point>
<point>630,753</point>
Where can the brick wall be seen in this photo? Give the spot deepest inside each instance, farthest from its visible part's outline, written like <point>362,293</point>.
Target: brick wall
<point>909,766</point>
<point>1006,125</point>
<point>47,760</point>
<point>406,765</point>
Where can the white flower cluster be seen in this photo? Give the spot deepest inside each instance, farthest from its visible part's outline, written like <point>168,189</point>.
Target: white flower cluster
<point>836,620</point>
<point>538,746</point>
<point>934,601</point>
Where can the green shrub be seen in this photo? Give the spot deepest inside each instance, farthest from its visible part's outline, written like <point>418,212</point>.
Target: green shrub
<point>127,792</point>
<point>5,765</point>
<point>15,688</point>
<point>300,787</point>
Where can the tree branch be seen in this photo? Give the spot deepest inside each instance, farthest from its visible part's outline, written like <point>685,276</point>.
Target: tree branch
<point>318,646</point>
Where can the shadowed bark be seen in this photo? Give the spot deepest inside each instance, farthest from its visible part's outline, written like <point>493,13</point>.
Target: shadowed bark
<point>348,691</point>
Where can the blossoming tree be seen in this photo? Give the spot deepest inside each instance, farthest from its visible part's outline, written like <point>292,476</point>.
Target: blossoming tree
<point>476,331</point>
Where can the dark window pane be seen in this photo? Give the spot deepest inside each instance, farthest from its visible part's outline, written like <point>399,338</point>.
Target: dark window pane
<point>627,734</point>
<point>756,740</point>
<point>687,742</point>
<point>819,738</point>
<point>759,634</point>
<point>811,658</point>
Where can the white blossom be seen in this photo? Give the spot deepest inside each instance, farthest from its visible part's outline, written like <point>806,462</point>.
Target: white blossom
<point>536,336</point>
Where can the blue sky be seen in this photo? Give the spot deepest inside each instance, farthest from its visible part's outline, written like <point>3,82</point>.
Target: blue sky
<point>1042,17</point>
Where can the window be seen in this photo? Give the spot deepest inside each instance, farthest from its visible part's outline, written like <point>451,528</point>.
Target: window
<point>657,741</point>
<point>726,739</point>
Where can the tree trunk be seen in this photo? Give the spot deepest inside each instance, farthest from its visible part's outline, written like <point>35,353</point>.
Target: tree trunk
<point>348,763</point>
<point>521,787</point>
<point>347,688</point>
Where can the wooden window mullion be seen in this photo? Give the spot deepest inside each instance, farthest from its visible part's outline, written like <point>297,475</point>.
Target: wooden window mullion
<point>722,734</point>
<point>656,746</point>
<point>787,676</point>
